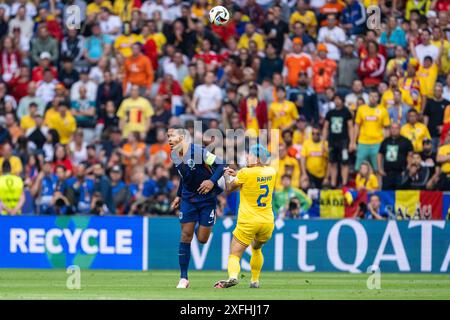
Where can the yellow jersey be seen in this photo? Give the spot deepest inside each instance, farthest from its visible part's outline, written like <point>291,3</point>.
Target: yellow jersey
<point>370,184</point>
<point>428,77</point>
<point>284,165</point>
<point>371,122</point>
<point>16,165</point>
<point>135,113</point>
<point>416,134</point>
<point>11,189</point>
<point>27,122</point>
<point>244,41</point>
<point>65,126</point>
<point>445,151</point>
<point>282,114</point>
<point>316,157</point>
<point>257,186</point>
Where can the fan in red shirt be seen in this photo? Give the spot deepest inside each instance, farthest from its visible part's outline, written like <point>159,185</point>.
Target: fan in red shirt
<point>18,86</point>
<point>207,55</point>
<point>44,63</point>
<point>371,68</point>
<point>226,31</point>
<point>10,61</point>
<point>171,90</point>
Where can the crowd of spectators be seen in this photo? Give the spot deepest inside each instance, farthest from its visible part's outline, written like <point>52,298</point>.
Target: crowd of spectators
<point>85,102</point>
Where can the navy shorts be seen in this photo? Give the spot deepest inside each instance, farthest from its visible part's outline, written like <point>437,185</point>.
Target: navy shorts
<point>202,212</point>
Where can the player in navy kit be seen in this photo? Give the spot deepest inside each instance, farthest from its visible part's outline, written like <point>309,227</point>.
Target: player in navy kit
<point>196,199</point>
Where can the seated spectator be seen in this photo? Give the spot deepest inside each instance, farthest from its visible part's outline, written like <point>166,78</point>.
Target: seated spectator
<point>78,148</point>
<point>290,202</point>
<point>354,17</point>
<point>61,158</point>
<point>159,152</point>
<point>14,163</point>
<point>120,191</point>
<point>171,91</point>
<point>48,184</point>
<point>19,84</point>
<point>83,190</point>
<point>15,131</point>
<point>251,34</point>
<point>374,209</point>
<point>12,196</point>
<point>314,160</point>
<point>365,179</point>
<point>72,47</point>
<point>44,43</point>
<point>133,152</point>
<point>91,86</point>
<point>285,164</point>
<point>37,135</point>
<point>83,109</point>
<point>108,90</point>
<point>140,189</point>
<point>416,176</point>
<point>24,103</point>
<point>443,158</point>
<point>102,186</point>
<point>47,86</point>
<point>11,60</point>
<point>28,121</point>
<point>44,64</point>
<point>96,45</point>
<point>305,16</point>
<point>68,75</point>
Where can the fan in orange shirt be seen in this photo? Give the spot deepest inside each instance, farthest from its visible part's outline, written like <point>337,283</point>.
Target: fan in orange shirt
<point>138,70</point>
<point>160,151</point>
<point>296,62</point>
<point>331,7</point>
<point>324,70</point>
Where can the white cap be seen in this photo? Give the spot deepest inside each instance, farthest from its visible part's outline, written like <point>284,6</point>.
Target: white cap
<point>431,14</point>
<point>45,55</point>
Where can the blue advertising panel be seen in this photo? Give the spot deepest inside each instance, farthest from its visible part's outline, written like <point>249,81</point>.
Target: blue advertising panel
<point>58,242</point>
<point>345,245</point>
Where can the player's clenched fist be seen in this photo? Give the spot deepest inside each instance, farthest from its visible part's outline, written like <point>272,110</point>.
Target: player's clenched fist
<point>229,172</point>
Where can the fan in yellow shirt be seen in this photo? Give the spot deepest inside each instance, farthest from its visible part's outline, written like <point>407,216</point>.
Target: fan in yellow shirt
<point>95,7</point>
<point>365,179</point>
<point>62,121</point>
<point>305,17</point>
<point>314,159</point>
<point>27,121</point>
<point>415,131</point>
<point>12,197</point>
<point>125,41</point>
<point>282,114</point>
<point>255,221</point>
<point>427,75</point>
<point>135,113</point>
<point>251,34</point>
<point>286,165</point>
<point>370,122</point>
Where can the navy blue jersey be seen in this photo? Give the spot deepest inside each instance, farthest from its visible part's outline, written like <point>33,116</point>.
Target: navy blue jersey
<point>196,166</point>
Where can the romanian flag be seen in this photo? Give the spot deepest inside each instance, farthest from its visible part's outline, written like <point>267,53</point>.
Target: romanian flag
<point>332,204</point>
<point>357,198</point>
<point>406,204</point>
<point>431,205</point>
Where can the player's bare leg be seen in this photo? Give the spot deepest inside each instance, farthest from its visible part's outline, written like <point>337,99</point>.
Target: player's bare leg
<point>203,234</point>
<point>184,253</point>
<point>256,263</point>
<point>234,267</point>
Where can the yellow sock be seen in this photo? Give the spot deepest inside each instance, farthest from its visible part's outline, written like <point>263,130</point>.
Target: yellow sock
<point>234,266</point>
<point>256,263</point>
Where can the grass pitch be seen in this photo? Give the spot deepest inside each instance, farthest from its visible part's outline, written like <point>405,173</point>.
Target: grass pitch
<point>51,284</point>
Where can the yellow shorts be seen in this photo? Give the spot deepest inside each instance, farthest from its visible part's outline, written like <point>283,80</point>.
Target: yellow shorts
<point>247,232</point>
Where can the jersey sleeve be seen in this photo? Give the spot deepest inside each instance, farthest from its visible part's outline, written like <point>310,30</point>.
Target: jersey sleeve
<point>241,177</point>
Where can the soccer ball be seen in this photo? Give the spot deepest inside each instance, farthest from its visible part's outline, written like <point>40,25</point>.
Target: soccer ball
<point>219,15</point>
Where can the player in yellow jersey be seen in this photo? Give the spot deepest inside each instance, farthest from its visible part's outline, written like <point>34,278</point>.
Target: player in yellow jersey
<point>255,216</point>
